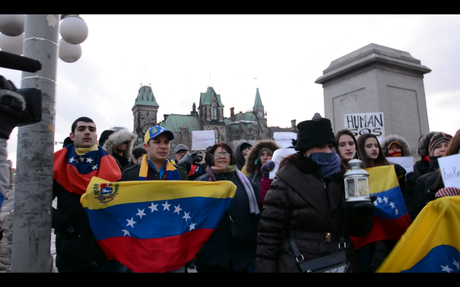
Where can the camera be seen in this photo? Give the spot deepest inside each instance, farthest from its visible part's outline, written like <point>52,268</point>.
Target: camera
<point>18,107</point>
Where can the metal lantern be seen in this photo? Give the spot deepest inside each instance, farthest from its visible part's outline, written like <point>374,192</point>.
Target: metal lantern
<point>356,182</point>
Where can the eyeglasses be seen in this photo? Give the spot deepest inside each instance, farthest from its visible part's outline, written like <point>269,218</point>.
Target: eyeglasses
<point>219,154</point>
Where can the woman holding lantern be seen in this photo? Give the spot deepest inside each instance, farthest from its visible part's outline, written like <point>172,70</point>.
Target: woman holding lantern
<point>306,203</point>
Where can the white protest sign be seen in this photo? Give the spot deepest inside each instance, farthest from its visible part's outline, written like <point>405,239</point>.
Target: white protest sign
<point>278,156</point>
<point>405,161</point>
<point>203,139</point>
<point>284,139</point>
<point>449,166</point>
<point>365,123</point>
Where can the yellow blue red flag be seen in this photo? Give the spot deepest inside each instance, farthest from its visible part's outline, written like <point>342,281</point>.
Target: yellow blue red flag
<point>155,226</point>
<point>391,218</point>
<point>431,243</point>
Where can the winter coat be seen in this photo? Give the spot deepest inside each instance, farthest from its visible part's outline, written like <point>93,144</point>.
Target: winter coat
<point>425,188</point>
<point>76,246</point>
<point>405,147</point>
<point>223,248</point>
<point>300,202</point>
<point>116,139</point>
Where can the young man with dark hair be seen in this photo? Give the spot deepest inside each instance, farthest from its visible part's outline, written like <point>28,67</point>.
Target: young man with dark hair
<point>74,166</point>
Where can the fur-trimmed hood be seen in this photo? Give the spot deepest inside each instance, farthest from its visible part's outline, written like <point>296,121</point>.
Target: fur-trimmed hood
<point>119,137</point>
<point>251,165</point>
<point>397,138</point>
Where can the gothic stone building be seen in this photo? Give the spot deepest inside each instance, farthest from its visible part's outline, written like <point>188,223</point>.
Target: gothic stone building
<point>209,115</point>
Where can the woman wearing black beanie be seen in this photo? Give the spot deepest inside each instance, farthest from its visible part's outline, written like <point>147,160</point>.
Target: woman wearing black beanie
<point>306,200</point>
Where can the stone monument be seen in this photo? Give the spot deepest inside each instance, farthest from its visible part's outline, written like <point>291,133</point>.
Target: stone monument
<point>379,90</point>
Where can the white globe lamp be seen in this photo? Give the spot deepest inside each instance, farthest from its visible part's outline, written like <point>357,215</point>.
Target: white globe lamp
<point>69,52</point>
<point>12,45</point>
<point>73,29</point>
<point>12,25</point>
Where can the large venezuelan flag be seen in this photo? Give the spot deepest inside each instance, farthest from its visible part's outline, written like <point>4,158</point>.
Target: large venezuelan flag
<point>391,218</point>
<point>155,226</point>
<point>431,243</point>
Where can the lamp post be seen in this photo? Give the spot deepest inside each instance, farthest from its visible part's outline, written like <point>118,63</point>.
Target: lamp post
<point>34,180</point>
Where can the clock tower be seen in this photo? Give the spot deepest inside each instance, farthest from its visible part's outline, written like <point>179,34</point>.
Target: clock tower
<point>145,111</point>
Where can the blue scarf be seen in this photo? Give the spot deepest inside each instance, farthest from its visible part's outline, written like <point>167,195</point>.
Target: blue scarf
<point>329,163</point>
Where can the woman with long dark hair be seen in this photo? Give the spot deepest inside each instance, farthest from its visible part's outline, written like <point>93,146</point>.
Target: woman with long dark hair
<point>347,146</point>
<point>371,255</point>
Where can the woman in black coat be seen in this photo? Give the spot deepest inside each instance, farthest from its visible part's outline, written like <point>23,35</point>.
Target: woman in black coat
<point>232,246</point>
<point>306,199</point>
<point>428,184</point>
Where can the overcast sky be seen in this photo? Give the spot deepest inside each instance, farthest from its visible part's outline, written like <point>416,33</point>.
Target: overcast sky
<point>179,56</point>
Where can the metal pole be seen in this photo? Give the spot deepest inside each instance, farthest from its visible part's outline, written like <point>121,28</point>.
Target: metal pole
<point>34,175</point>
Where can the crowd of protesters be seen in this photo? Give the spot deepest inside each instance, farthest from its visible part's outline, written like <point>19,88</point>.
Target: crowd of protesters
<point>304,201</point>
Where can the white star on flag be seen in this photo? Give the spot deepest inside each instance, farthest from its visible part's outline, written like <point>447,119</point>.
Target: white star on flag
<point>446,268</point>
<point>126,232</point>
<point>385,199</point>
<point>392,204</point>
<point>90,160</point>
<point>72,159</point>
<point>95,167</point>
<point>131,222</point>
<point>177,209</point>
<point>456,264</point>
<point>140,213</point>
<point>153,207</point>
<point>166,206</point>
<point>192,226</point>
<point>186,216</point>
<point>396,211</point>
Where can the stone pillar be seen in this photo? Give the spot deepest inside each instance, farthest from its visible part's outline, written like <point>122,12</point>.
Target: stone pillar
<point>377,79</point>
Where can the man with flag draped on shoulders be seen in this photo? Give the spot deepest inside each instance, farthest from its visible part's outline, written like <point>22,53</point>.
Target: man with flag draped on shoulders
<point>74,167</point>
<point>154,219</point>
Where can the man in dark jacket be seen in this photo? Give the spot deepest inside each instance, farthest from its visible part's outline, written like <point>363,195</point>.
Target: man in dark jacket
<point>74,166</point>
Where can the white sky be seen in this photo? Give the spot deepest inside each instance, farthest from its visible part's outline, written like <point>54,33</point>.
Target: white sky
<point>180,55</point>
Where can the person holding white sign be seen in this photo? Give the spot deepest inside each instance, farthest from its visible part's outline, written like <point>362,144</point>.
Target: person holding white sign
<point>431,181</point>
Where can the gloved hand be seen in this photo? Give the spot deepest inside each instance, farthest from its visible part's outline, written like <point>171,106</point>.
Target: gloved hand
<point>12,107</point>
<point>362,208</point>
<point>186,162</point>
<point>267,167</point>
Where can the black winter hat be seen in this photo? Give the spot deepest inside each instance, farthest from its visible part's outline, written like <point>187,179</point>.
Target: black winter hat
<point>314,132</point>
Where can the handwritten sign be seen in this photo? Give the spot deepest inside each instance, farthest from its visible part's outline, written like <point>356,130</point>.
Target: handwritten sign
<point>365,123</point>
<point>449,166</point>
<point>284,139</point>
<point>278,156</point>
<point>203,139</point>
<point>405,161</point>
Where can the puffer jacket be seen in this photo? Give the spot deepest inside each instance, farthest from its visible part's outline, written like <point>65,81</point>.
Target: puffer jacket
<point>300,202</point>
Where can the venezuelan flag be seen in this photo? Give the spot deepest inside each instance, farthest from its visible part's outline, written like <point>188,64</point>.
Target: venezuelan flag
<point>155,226</point>
<point>391,218</point>
<point>73,172</point>
<point>431,243</point>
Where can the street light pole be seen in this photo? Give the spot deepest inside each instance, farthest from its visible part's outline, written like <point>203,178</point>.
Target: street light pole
<point>34,174</point>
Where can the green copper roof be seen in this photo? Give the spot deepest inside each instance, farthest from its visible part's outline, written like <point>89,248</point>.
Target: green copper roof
<point>258,101</point>
<point>145,97</point>
<point>247,116</point>
<point>206,98</point>
<point>175,122</point>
